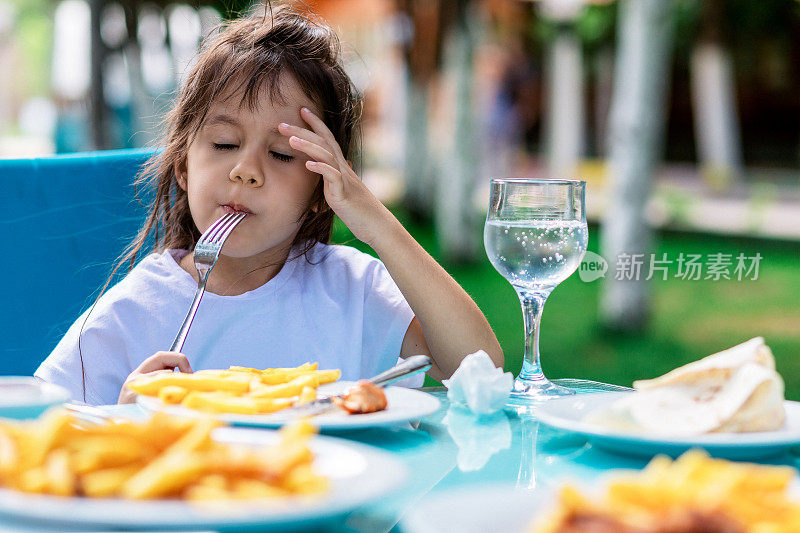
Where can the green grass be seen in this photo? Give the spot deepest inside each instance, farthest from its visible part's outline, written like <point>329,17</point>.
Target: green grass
<point>689,319</point>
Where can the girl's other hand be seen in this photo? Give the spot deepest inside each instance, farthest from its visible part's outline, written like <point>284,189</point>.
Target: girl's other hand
<point>345,193</point>
<point>158,362</point>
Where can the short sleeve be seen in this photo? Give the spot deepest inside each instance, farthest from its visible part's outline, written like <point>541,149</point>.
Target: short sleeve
<point>85,363</point>
<point>387,316</point>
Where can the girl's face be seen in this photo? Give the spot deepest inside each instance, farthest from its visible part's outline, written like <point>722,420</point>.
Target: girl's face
<point>238,161</point>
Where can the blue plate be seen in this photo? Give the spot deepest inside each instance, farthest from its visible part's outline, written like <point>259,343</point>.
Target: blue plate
<point>23,397</point>
<point>569,413</point>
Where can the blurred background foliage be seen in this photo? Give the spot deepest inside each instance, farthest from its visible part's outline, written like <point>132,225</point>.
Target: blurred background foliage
<point>433,70</point>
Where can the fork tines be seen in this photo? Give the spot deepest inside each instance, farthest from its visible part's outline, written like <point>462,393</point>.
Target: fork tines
<point>221,228</point>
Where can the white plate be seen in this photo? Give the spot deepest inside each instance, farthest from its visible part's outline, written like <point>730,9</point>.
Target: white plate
<point>478,509</point>
<point>498,507</point>
<point>358,475</point>
<point>568,413</point>
<point>403,405</point>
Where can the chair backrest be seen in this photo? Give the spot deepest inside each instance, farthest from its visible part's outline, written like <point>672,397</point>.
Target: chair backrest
<point>64,222</point>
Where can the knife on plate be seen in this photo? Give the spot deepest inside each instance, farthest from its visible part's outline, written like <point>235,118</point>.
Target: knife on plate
<point>410,366</point>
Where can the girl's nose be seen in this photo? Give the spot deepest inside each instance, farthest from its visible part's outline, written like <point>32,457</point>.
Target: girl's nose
<point>247,173</point>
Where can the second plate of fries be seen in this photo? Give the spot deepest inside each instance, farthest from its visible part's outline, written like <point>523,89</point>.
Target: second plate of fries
<point>253,397</point>
<point>692,493</point>
<point>173,473</point>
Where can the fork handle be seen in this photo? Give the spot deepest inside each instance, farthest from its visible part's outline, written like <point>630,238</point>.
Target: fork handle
<point>407,368</point>
<point>180,338</point>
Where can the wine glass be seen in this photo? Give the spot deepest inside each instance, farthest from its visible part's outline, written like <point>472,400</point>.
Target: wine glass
<point>535,236</point>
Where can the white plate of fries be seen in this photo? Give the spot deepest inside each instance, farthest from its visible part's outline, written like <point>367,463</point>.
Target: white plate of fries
<point>65,473</point>
<point>404,405</point>
<point>693,490</point>
<point>569,414</point>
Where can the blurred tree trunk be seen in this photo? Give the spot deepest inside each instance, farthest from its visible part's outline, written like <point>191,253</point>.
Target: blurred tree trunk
<point>417,165</point>
<point>638,113</point>
<point>98,109</point>
<point>716,121</point>
<point>564,121</point>
<point>455,216</point>
<point>604,89</point>
<point>133,56</point>
<point>422,53</point>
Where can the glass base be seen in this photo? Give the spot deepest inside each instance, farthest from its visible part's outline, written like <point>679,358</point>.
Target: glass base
<point>536,390</point>
<point>585,386</point>
<point>526,394</point>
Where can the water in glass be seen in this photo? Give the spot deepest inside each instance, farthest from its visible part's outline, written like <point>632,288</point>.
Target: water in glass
<point>535,252</point>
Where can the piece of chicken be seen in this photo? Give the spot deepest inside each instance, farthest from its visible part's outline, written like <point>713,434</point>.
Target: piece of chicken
<point>363,397</point>
<point>678,521</point>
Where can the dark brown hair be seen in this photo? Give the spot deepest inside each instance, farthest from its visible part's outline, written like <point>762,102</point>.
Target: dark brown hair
<point>246,57</point>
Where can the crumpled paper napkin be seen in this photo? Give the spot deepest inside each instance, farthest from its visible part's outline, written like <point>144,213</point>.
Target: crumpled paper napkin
<point>479,385</point>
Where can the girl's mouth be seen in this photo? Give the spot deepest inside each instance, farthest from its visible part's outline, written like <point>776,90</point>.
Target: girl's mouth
<point>236,208</point>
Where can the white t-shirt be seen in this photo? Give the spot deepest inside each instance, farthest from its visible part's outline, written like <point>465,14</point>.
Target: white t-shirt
<point>339,307</point>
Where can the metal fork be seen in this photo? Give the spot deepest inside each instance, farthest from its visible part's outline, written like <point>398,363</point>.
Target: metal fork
<point>206,253</point>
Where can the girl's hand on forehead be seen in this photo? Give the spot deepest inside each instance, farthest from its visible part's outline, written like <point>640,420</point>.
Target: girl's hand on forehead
<point>345,193</point>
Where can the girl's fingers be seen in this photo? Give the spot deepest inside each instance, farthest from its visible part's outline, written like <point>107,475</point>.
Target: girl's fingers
<point>332,177</point>
<point>183,364</point>
<point>165,360</point>
<point>322,130</point>
<point>325,169</point>
<point>314,151</point>
<point>158,362</point>
<point>289,130</point>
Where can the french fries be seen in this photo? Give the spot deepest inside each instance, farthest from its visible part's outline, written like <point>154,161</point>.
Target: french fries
<point>692,489</point>
<point>165,457</point>
<point>239,390</point>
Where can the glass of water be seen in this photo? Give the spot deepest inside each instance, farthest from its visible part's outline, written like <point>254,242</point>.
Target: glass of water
<point>535,236</point>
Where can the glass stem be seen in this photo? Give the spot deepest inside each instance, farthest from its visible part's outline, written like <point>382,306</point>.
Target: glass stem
<point>532,304</point>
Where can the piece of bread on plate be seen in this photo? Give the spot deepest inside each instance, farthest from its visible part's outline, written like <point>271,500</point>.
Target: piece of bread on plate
<point>735,390</point>
<point>720,365</point>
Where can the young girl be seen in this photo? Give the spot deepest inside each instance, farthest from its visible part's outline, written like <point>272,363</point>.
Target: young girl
<point>264,124</point>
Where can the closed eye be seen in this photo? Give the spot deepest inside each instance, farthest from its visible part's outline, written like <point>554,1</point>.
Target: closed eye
<point>224,146</point>
<point>281,157</point>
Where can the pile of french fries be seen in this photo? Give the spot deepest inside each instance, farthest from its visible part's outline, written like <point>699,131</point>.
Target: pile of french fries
<point>165,457</point>
<point>752,497</point>
<point>238,389</point>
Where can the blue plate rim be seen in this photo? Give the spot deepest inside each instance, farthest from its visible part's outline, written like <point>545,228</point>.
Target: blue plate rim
<point>50,393</point>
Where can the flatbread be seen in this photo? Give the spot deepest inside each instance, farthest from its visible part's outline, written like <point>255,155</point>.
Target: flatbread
<point>750,400</point>
<point>736,390</point>
<point>720,365</point>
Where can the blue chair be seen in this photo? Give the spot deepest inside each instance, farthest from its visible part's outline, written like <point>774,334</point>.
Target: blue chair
<point>64,221</point>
